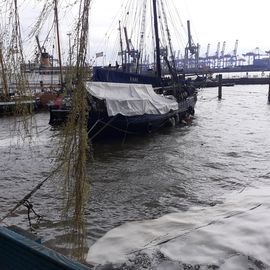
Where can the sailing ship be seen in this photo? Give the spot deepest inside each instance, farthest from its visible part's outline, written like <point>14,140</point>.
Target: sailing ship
<point>136,65</point>
<point>130,115</point>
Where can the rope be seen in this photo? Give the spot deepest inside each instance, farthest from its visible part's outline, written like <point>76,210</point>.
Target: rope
<point>125,134</point>
<point>28,196</point>
<point>108,124</point>
<point>161,242</point>
<point>30,208</point>
<point>38,132</point>
<point>101,128</point>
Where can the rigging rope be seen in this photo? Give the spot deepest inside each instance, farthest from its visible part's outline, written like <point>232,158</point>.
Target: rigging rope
<point>30,209</point>
<point>29,195</point>
<point>177,21</point>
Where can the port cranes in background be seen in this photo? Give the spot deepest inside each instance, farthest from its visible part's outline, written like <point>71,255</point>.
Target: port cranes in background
<point>221,59</point>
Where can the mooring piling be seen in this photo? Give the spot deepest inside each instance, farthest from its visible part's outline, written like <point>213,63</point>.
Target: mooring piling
<point>269,94</point>
<point>219,86</point>
<point>269,89</point>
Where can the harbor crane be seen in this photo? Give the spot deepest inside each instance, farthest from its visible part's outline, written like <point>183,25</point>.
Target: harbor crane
<point>207,50</point>
<point>235,49</point>
<point>207,58</point>
<point>38,44</point>
<point>216,56</point>
<point>130,51</point>
<point>255,54</point>
<point>217,51</point>
<point>42,54</point>
<point>191,51</point>
<point>249,55</point>
<point>221,58</point>
<point>233,57</point>
<point>212,61</point>
<point>178,55</point>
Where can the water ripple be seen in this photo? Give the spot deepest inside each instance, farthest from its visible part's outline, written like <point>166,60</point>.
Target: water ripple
<point>225,150</point>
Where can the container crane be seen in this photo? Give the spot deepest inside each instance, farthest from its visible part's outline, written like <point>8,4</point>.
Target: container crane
<point>249,55</point>
<point>178,55</point>
<point>235,49</point>
<point>207,50</point>
<point>221,58</point>
<point>227,60</point>
<point>255,54</point>
<point>217,51</point>
<point>233,58</point>
<point>207,59</point>
<point>216,55</point>
<point>223,49</point>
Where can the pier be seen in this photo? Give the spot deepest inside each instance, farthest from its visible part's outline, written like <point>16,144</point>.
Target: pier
<point>212,70</point>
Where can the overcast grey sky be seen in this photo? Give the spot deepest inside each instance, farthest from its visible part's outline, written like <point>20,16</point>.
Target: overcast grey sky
<point>212,21</point>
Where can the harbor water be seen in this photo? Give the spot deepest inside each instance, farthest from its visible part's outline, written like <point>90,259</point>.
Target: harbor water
<point>190,197</point>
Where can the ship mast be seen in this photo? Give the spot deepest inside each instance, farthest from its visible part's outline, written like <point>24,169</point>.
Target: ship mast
<point>157,39</point>
<point>3,70</point>
<point>121,44</point>
<point>58,42</point>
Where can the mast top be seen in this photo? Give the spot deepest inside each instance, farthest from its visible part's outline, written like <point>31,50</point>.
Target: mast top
<point>158,63</point>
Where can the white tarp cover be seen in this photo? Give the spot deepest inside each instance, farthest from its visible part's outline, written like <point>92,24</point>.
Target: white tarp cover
<point>130,99</point>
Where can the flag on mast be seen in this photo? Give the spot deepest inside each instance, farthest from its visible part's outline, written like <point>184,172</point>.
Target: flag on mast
<point>100,54</point>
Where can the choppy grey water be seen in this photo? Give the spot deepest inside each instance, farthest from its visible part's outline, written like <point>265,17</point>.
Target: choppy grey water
<point>191,197</point>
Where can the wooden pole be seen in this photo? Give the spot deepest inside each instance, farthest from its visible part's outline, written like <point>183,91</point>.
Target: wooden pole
<point>220,86</point>
<point>58,42</point>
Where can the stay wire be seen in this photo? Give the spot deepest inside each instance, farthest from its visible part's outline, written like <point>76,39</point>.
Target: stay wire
<point>175,21</point>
